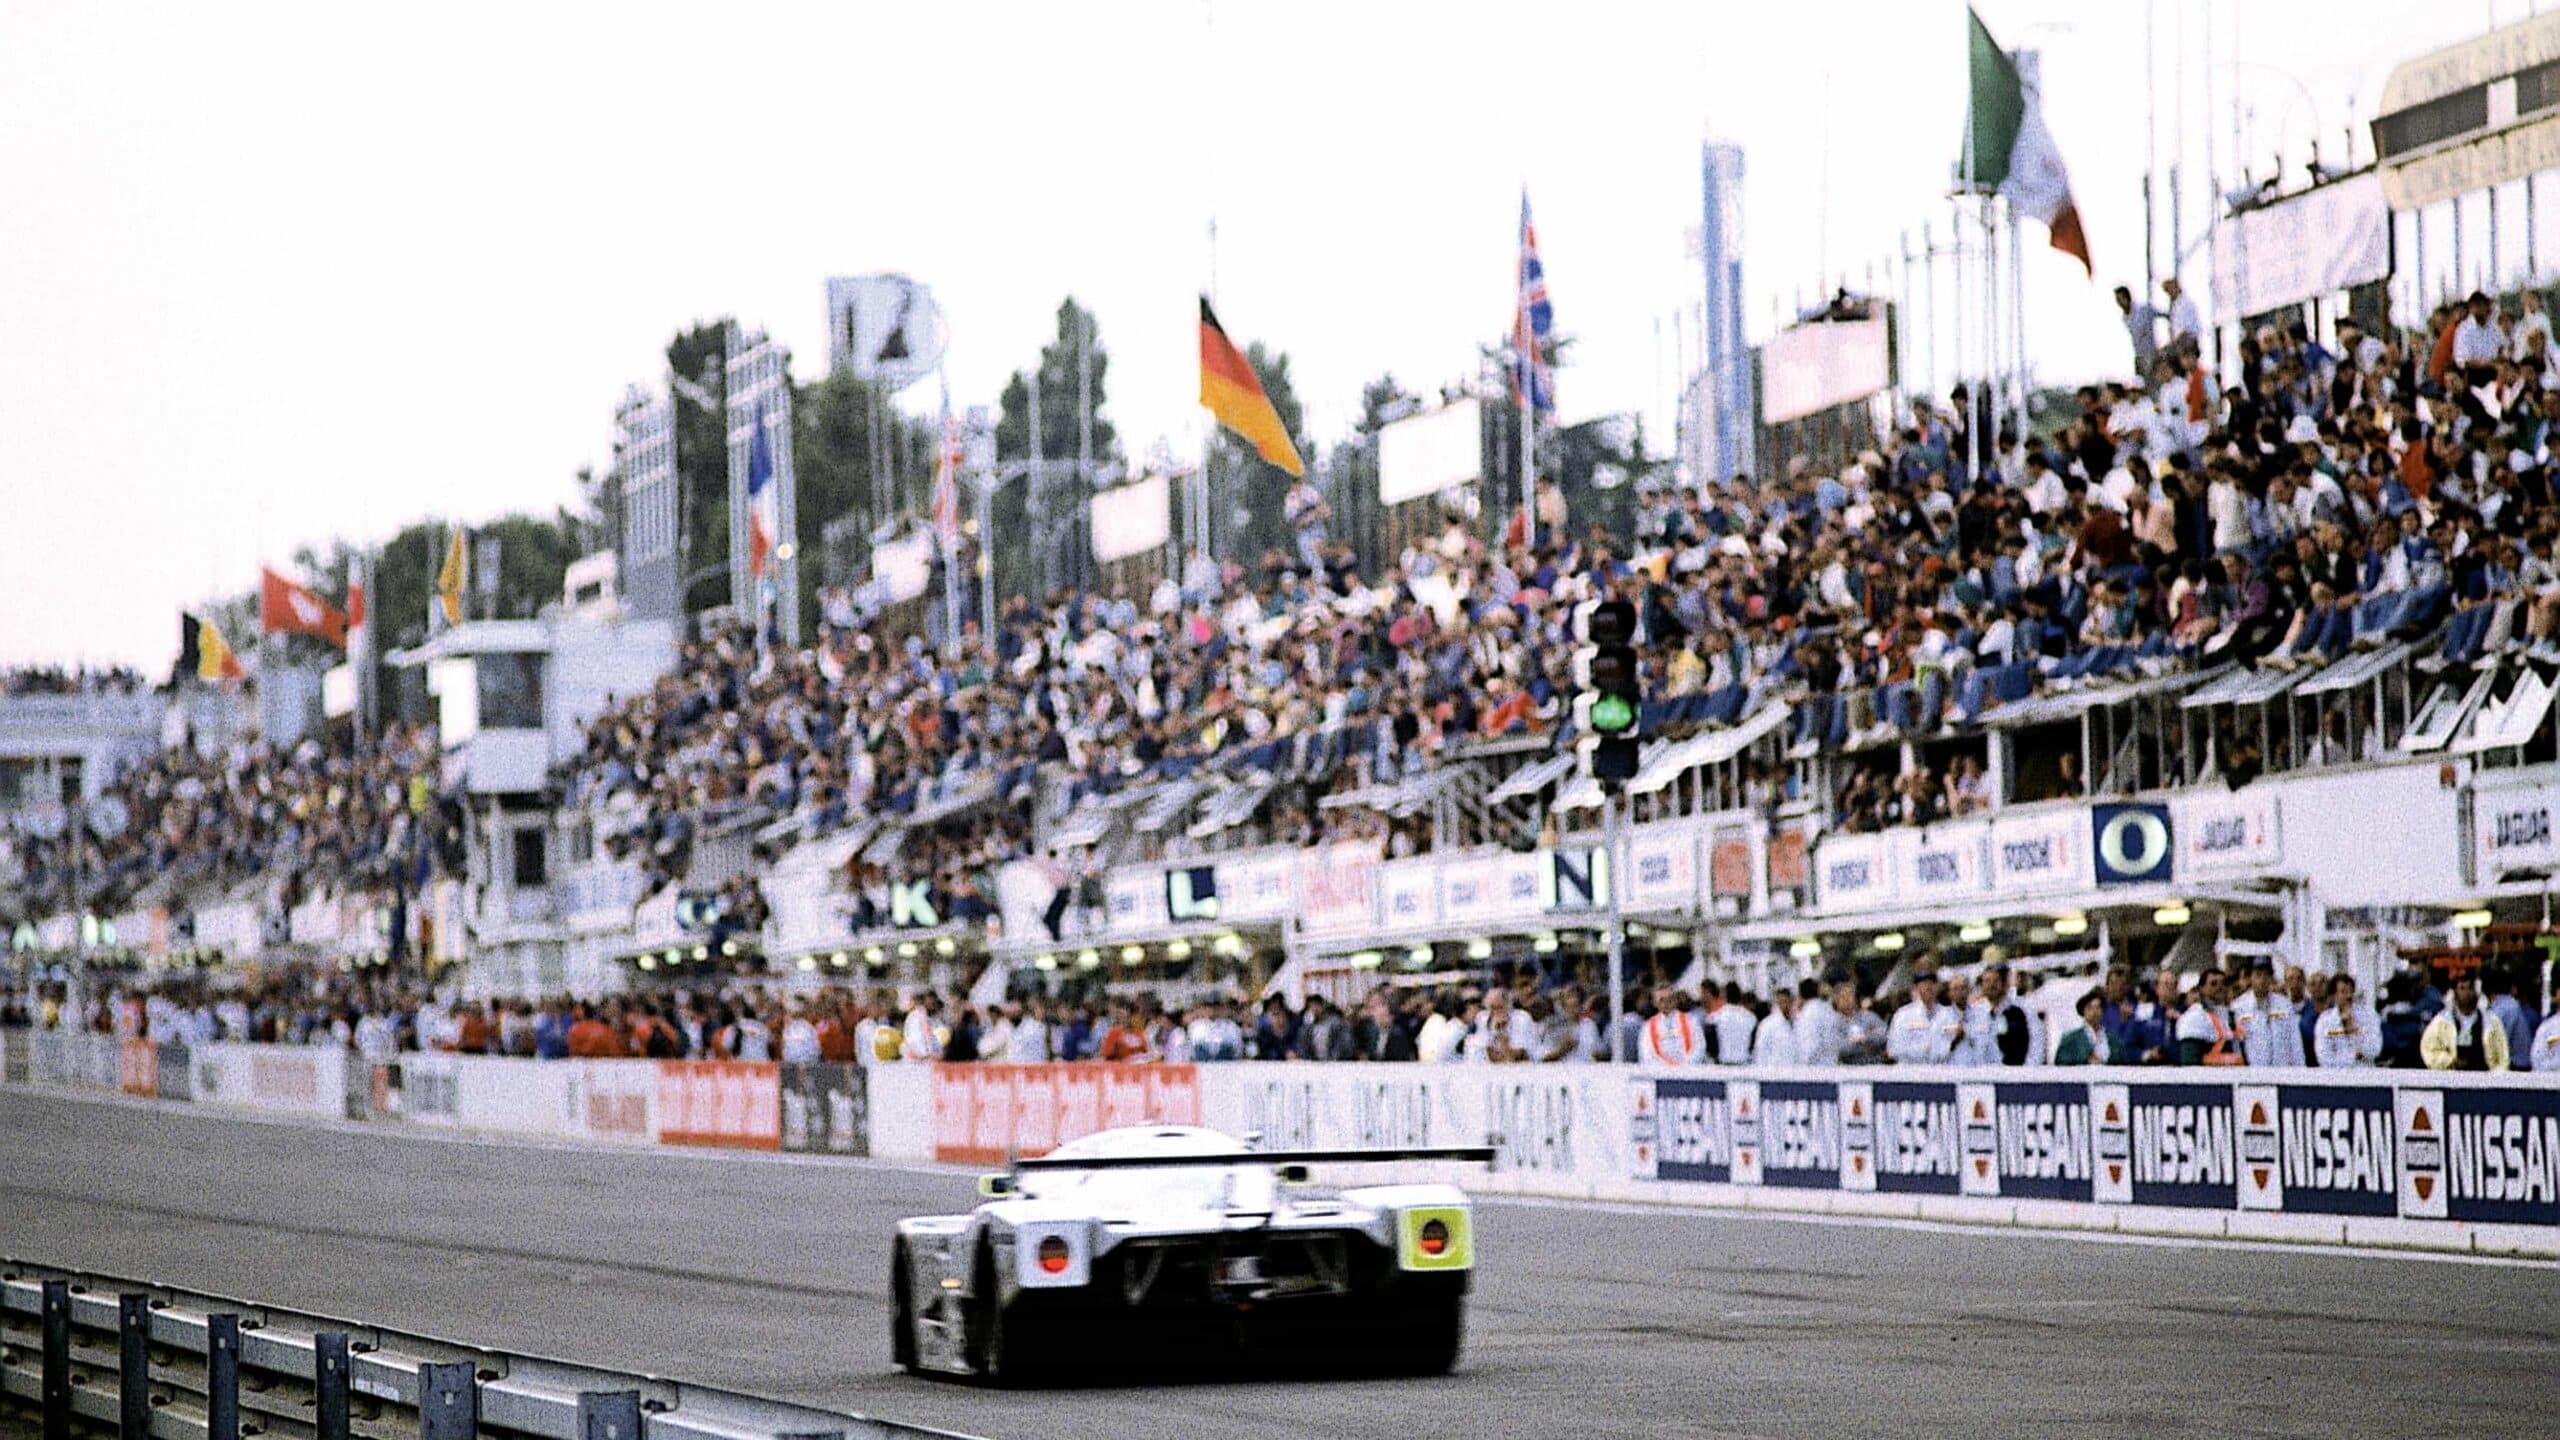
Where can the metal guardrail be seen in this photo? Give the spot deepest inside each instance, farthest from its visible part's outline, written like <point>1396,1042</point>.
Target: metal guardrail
<point>101,1354</point>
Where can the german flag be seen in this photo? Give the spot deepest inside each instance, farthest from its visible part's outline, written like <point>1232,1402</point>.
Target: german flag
<point>203,653</point>
<point>1230,389</point>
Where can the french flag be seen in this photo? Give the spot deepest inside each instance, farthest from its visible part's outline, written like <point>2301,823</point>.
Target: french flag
<point>764,511</point>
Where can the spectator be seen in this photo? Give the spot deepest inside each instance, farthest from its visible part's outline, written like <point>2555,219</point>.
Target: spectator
<point>1731,1025</point>
<point>2464,1035</point>
<point>2270,1029</point>
<point>1924,1032</point>
<point>2204,1029</point>
<point>1675,1034</point>
<point>1775,1042</point>
<point>2349,1036</point>
<point>2085,1043</point>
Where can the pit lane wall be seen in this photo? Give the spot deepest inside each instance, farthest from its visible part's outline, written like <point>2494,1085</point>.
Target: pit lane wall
<point>2394,1158</point>
<point>814,1109</point>
<point>2387,1158</point>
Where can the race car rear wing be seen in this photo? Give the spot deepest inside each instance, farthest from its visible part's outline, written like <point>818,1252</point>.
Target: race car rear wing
<point>1464,1154</point>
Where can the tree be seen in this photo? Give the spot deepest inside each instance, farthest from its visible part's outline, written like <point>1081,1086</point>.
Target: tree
<point>838,425</point>
<point>698,358</point>
<point>1351,474</point>
<point>1246,515</point>
<point>1043,531</point>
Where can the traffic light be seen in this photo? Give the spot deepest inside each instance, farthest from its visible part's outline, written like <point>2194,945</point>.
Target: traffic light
<point>1607,705</point>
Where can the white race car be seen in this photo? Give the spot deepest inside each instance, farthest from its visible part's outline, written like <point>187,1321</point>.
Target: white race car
<point>1143,1244</point>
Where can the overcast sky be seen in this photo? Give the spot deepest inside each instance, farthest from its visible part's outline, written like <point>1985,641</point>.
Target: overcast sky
<point>270,274</point>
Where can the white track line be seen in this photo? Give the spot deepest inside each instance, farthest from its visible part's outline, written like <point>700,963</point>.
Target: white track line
<point>686,1156</point>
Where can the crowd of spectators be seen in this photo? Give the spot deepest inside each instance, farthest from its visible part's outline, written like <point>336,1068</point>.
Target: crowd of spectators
<point>75,680</point>
<point>309,817</point>
<point>2245,1015</point>
<point>2333,497</point>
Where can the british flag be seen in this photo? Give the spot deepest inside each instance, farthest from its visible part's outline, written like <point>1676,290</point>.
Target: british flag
<point>1533,382</point>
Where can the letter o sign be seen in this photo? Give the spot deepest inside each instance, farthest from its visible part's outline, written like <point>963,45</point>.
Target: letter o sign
<point>2133,844</point>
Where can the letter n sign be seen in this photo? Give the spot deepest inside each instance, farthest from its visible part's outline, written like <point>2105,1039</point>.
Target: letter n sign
<point>1576,879</point>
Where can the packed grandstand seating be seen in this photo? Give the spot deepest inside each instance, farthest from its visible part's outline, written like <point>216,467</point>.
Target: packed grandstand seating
<point>305,817</point>
<point>2343,502</point>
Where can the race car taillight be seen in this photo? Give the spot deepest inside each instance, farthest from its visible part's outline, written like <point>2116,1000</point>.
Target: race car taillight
<point>1053,1256</point>
<point>1436,1237</point>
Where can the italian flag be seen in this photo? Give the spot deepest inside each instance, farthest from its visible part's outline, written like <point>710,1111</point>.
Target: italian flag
<point>2010,151</point>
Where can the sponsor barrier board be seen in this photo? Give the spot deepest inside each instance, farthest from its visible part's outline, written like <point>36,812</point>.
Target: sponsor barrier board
<point>733,1104</point>
<point>824,1110</point>
<point>988,1114</point>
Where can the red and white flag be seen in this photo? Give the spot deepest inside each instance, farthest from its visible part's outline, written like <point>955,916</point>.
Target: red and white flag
<point>287,607</point>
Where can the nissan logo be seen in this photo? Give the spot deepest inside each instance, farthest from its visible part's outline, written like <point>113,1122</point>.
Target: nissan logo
<point>2134,842</point>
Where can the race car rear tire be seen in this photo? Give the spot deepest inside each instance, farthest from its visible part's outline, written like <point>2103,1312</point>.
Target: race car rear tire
<point>995,1331</point>
<point>1432,1332</point>
<point>902,1310</point>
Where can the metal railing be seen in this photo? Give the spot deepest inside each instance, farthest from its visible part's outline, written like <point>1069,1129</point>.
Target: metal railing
<point>98,1354</point>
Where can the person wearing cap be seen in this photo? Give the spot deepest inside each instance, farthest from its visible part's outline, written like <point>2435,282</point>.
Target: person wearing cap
<point>1924,1032</point>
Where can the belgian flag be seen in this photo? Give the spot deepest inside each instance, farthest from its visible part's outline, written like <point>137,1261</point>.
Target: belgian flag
<point>1234,395</point>
<point>203,653</point>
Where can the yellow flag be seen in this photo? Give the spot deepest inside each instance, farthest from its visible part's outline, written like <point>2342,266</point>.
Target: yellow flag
<point>450,580</point>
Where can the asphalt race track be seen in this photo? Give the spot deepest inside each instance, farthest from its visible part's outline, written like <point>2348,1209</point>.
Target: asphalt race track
<point>767,1276</point>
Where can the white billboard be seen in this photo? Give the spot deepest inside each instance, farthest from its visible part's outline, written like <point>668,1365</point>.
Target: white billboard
<point>1816,366</point>
<point>1131,519</point>
<point>901,569</point>
<point>2313,244</point>
<point>1431,452</point>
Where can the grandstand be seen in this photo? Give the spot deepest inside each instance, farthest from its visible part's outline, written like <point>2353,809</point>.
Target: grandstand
<point>2252,654</point>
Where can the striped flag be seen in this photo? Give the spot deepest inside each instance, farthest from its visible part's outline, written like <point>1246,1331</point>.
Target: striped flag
<point>1235,397</point>
<point>1533,321</point>
<point>764,517</point>
<point>203,653</point>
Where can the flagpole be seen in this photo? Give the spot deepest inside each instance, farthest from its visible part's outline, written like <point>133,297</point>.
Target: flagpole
<point>946,491</point>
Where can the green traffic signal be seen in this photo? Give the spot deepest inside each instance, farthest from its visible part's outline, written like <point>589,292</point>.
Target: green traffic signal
<point>1612,714</point>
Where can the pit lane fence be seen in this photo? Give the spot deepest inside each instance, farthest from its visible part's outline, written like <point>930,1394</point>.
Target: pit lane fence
<point>2373,1157</point>
<point>99,1354</point>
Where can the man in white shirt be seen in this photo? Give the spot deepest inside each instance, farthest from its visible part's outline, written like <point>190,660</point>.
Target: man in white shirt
<point>1775,1042</point>
<point>2185,321</point>
<point>1505,1033</point>
<point>799,1036</point>
<point>2010,1030</point>
<point>1027,1043</point>
<point>2270,1026</point>
<point>922,1033</point>
<point>1924,1032</point>
<point>1734,1024</point>
<point>2348,1036</point>
<point>1821,1026</point>
<point>1672,1034</point>
<point>1976,1042</point>
<point>2546,1044</point>
<point>2476,340</point>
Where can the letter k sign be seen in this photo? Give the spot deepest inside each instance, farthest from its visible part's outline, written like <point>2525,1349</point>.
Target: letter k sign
<point>911,906</point>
